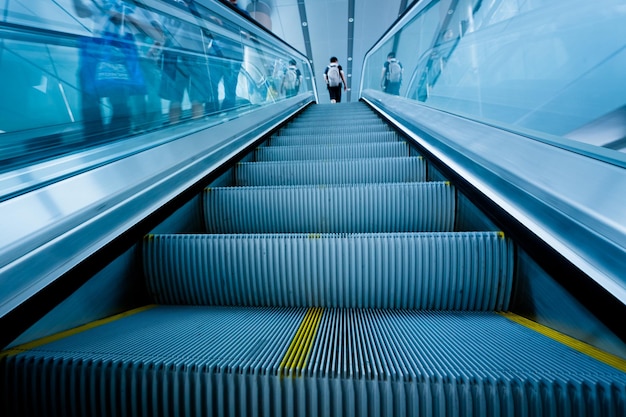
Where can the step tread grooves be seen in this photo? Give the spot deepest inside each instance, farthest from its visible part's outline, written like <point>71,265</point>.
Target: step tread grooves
<point>213,269</point>
<point>392,207</point>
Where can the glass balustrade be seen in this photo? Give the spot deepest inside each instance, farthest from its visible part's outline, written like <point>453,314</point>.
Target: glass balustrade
<point>79,73</point>
<point>544,69</point>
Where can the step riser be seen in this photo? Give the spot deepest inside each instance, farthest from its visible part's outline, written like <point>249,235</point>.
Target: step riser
<point>354,138</point>
<point>311,153</point>
<point>382,170</point>
<point>324,130</point>
<point>314,124</point>
<point>406,271</point>
<point>215,393</point>
<point>417,207</point>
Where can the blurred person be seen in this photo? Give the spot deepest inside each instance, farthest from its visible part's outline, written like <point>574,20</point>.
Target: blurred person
<point>147,109</point>
<point>391,77</point>
<point>292,79</point>
<point>185,64</point>
<point>109,63</point>
<point>226,58</point>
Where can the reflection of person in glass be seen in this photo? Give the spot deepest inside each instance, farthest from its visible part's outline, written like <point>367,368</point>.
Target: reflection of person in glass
<point>123,20</point>
<point>225,59</point>
<point>184,65</point>
<point>292,78</point>
<point>391,76</point>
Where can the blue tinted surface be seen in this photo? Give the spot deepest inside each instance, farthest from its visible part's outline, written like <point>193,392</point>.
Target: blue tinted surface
<point>77,74</point>
<point>550,68</point>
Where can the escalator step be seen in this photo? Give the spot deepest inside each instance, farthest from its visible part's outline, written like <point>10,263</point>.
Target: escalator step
<point>331,152</point>
<point>234,361</point>
<point>347,171</point>
<point>315,123</point>
<point>333,138</point>
<point>471,271</point>
<point>359,208</point>
<point>322,129</point>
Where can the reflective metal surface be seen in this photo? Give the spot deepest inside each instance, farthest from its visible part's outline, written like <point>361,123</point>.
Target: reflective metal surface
<point>556,193</point>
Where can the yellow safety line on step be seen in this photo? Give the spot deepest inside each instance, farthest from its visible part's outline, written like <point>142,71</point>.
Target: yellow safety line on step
<point>602,356</point>
<point>300,348</point>
<point>58,336</point>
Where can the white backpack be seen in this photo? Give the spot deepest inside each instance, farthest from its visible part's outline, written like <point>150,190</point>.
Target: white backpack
<point>291,78</point>
<point>334,78</point>
<point>394,71</point>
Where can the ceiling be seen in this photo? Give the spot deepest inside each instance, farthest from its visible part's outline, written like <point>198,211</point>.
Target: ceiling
<point>324,28</point>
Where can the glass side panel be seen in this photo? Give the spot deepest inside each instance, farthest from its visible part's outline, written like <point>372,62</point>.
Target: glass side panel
<point>543,68</point>
<point>80,72</point>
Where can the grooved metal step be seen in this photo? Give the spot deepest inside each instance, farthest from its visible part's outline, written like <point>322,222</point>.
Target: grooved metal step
<point>359,208</point>
<point>324,111</point>
<point>331,152</point>
<point>440,271</point>
<point>337,118</point>
<point>315,124</point>
<point>347,171</point>
<point>337,139</point>
<point>324,130</point>
<point>233,361</point>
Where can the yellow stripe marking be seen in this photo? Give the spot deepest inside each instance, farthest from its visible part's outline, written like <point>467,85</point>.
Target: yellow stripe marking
<point>598,354</point>
<point>300,348</point>
<point>67,333</point>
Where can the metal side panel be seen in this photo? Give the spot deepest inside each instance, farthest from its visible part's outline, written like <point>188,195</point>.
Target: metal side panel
<point>331,152</point>
<point>333,138</point>
<point>348,171</point>
<point>548,186</point>
<point>399,207</point>
<point>205,361</point>
<point>442,271</point>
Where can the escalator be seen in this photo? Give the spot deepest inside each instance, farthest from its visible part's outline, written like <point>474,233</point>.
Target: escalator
<point>333,277</point>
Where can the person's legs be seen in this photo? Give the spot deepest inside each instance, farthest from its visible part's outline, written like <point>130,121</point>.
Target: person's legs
<point>90,107</point>
<point>332,91</point>
<point>231,76</point>
<point>335,94</point>
<point>91,115</point>
<point>216,73</point>
<point>147,112</point>
<point>174,112</point>
<point>199,87</point>
<point>393,88</point>
<point>173,84</point>
<point>120,119</point>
